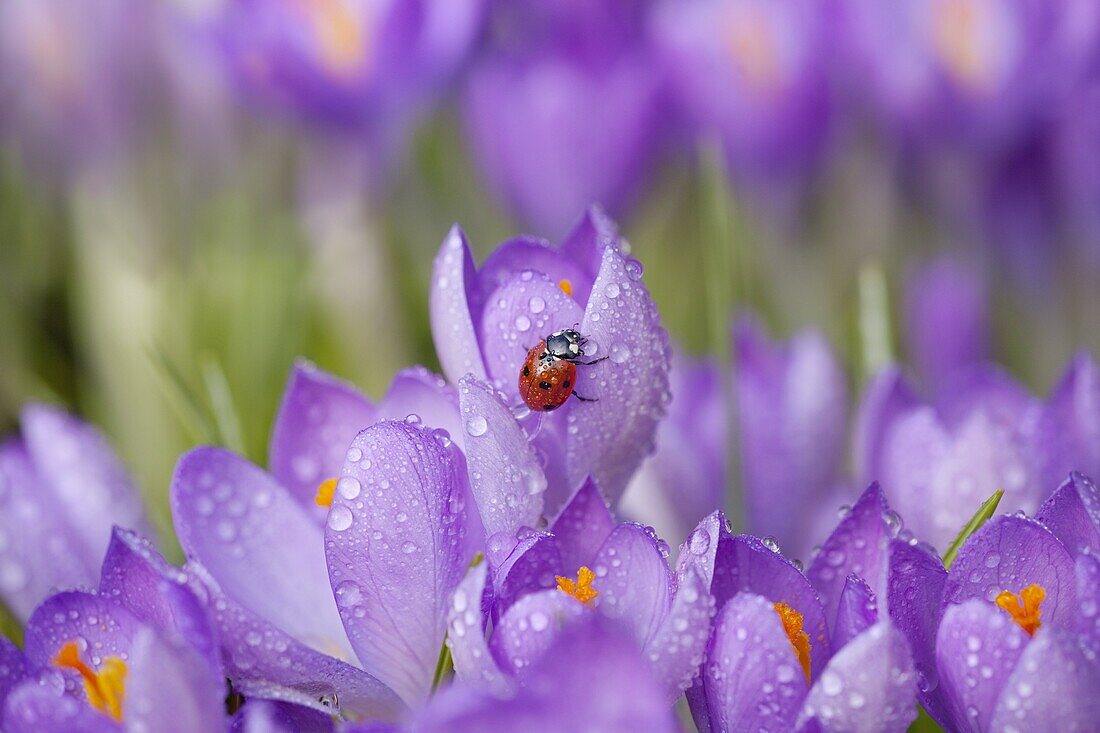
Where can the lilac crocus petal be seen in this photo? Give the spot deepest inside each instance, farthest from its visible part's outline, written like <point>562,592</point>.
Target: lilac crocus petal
<point>505,477</point>
<point>1072,513</point>
<point>520,254</point>
<point>266,716</point>
<point>171,688</point>
<point>473,663</point>
<point>1088,600</point>
<point>104,626</point>
<point>532,566</point>
<point>13,669</point>
<point>35,707</point>
<point>857,546</point>
<point>1011,553</point>
<point>914,599</point>
<point>609,439</point>
<point>592,678</point>
<point>1068,433</point>
<point>677,649</point>
<point>792,410</point>
<point>582,526</point>
<point>266,662</point>
<point>87,479</point>
<point>417,391</point>
<point>887,397</point>
<point>857,611</point>
<point>317,420</point>
<point>260,544</point>
<point>156,593</point>
<point>592,234</point>
<point>395,551</point>
<point>633,580</point>
<point>1053,687</point>
<point>869,685</point>
<point>517,316</point>
<point>977,648</point>
<point>947,320</point>
<point>42,552</point>
<point>453,331</point>
<point>530,626</point>
<point>751,677</point>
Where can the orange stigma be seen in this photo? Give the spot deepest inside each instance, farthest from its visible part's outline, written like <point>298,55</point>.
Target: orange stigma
<point>325,492</point>
<point>800,640</point>
<point>1024,610</point>
<point>566,287</point>
<point>581,589</point>
<point>105,688</point>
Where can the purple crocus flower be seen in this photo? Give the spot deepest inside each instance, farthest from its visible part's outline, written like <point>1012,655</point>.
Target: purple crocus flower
<point>621,572</point>
<point>792,405</point>
<point>62,488</point>
<point>779,658</point>
<point>1067,436</point>
<point>138,654</point>
<point>484,321</point>
<point>1008,639</point>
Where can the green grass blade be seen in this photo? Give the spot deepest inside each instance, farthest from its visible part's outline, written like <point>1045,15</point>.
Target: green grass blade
<point>985,511</point>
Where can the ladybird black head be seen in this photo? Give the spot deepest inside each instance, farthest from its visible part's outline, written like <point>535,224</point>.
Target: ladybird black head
<point>565,344</point>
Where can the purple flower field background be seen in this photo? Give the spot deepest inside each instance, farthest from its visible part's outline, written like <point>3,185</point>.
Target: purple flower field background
<point>274,276</point>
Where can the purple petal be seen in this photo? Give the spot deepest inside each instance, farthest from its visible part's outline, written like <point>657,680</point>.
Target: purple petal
<point>915,601</point>
<point>156,593</point>
<point>986,388</point>
<point>89,482</point>
<point>473,663</point>
<point>1052,688</point>
<point>266,716</point>
<point>517,316</point>
<point>258,542</point>
<point>40,552</point>
<point>592,234</point>
<point>869,685</point>
<point>317,419</point>
<point>1068,433</point>
<point>265,662</point>
<point>532,566</point>
<point>1072,513</point>
<point>609,439</point>
<point>857,612</point>
<point>35,707</point>
<point>856,547</point>
<point>1088,600</point>
<point>395,552</point>
<point>13,669</point>
<point>529,627</point>
<point>751,677</point>
<point>452,321</point>
<point>791,402</point>
<point>1011,553</point>
<point>609,690</point>
<point>677,649</point>
<point>634,581</point>
<point>505,477</point>
<point>171,688</point>
<point>417,391</point>
<point>512,258</point>
<point>977,648</point>
<point>887,398</point>
<point>583,526</point>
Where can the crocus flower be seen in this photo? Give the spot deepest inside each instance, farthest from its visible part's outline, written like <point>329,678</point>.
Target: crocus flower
<point>485,320</point>
<point>780,659</point>
<point>584,564</point>
<point>1068,432</point>
<point>1008,638</point>
<point>792,407</point>
<point>62,488</point>
<point>685,479</point>
<point>136,655</point>
<point>755,74</point>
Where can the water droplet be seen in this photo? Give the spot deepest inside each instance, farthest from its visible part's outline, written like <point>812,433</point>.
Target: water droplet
<point>348,487</point>
<point>699,541</point>
<point>611,290</point>
<point>634,268</point>
<point>539,621</point>
<point>354,455</point>
<point>339,518</point>
<point>442,437</point>
<point>348,594</point>
<point>413,419</point>
<point>771,543</point>
<point>523,323</point>
<point>831,684</point>
<point>619,353</point>
<point>408,548</point>
<point>536,304</point>
<point>476,425</point>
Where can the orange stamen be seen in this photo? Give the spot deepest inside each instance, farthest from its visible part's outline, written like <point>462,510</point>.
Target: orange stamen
<point>1025,609</point>
<point>566,287</point>
<point>800,640</point>
<point>325,492</point>
<point>581,589</point>
<point>105,688</point>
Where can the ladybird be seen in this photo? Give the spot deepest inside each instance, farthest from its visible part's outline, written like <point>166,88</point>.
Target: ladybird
<point>549,372</point>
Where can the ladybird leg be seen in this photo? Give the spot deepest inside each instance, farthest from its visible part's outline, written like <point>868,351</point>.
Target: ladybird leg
<point>589,363</point>
<point>586,399</point>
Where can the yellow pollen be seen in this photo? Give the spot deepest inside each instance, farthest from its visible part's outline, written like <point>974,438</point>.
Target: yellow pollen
<point>1024,610</point>
<point>800,640</point>
<point>105,688</point>
<point>581,588</point>
<point>325,492</point>
<point>566,286</point>
<point>343,41</point>
<point>957,27</point>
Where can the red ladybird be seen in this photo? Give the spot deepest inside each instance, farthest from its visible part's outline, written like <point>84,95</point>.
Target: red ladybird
<point>549,372</point>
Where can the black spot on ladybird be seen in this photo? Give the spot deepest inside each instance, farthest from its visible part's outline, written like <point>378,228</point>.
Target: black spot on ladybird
<point>544,385</point>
